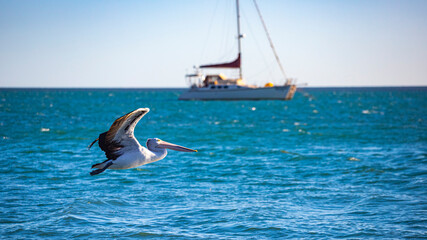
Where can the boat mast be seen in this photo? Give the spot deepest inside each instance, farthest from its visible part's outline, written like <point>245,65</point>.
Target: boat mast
<point>239,36</point>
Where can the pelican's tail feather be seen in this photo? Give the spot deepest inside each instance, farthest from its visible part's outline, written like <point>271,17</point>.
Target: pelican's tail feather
<point>102,165</point>
<point>88,147</point>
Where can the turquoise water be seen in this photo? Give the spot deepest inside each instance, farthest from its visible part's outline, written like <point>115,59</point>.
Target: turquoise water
<point>331,163</point>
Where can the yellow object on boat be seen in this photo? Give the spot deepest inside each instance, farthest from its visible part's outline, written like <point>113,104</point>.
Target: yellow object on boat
<point>269,84</point>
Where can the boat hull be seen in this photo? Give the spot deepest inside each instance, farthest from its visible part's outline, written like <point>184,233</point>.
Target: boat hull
<point>264,93</point>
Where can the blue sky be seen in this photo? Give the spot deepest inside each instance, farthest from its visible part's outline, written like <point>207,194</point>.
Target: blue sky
<point>155,43</point>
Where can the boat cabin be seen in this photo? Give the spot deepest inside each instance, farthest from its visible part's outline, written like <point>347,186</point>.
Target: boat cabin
<point>220,79</point>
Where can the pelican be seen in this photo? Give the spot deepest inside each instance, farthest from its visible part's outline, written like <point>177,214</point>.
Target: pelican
<point>122,149</point>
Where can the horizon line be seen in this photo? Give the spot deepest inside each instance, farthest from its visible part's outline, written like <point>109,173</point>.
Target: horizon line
<point>179,88</point>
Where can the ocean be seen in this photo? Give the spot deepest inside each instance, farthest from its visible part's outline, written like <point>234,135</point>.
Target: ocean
<point>346,163</point>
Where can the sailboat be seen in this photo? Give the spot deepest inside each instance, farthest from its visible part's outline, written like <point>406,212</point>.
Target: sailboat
<point>219,87</point>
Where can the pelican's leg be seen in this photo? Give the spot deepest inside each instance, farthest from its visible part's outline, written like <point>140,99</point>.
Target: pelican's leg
<point>98,171</point>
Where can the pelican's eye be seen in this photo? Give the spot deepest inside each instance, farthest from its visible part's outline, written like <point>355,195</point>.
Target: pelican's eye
<point>158,140</point>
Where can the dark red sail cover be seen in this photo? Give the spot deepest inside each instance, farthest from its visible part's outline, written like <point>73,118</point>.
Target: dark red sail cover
<point>233,64</point>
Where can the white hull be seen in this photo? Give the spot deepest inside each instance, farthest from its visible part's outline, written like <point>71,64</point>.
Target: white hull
<point>262,93</point>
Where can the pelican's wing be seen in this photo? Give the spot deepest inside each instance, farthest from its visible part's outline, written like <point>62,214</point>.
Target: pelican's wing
<point>120,136</point>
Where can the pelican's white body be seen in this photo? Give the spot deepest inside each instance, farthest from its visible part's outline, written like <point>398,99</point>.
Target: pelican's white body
<point>136,158</point>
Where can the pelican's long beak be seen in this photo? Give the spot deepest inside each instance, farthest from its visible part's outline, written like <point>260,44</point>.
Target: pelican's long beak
<point>175,147</point>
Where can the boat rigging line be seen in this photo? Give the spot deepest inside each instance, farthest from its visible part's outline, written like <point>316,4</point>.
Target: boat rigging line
<point>271,43</point>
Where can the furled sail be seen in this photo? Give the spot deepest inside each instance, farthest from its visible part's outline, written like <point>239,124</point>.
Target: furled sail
<point>233,64</point>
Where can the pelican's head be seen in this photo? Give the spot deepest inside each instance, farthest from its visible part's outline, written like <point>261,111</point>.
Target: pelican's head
<point>155,143</point>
